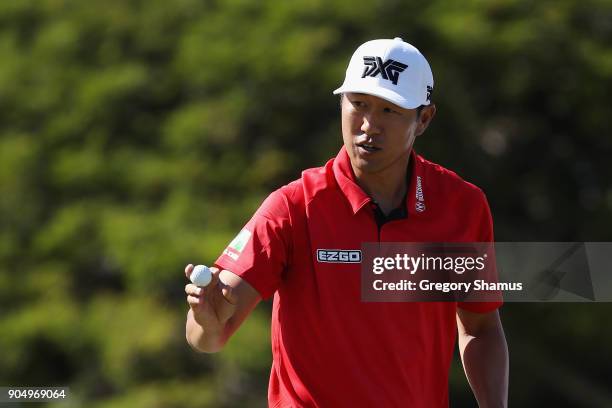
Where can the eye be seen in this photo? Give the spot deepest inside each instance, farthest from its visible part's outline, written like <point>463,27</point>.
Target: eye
<point>390,110</point>
<point>358,104</point>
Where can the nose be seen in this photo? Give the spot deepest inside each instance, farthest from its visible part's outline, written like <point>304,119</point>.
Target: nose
<point>370,125</point>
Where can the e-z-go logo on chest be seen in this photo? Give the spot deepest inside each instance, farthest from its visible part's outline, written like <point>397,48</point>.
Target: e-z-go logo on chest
<point>339,255</point>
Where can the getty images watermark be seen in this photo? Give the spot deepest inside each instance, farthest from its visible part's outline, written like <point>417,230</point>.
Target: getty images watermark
<point>486,272</point>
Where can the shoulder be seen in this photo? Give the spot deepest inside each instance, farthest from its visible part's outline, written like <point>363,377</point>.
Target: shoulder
<point>447,183</point>
<point>294,196</point>
<point>450,195</point>
<point>312,182</point>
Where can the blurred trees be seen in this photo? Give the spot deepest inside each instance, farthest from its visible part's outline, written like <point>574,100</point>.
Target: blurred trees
<point>136,137</point>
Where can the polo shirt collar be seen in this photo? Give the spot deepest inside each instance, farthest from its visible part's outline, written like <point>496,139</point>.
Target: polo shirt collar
<point>357,198</point>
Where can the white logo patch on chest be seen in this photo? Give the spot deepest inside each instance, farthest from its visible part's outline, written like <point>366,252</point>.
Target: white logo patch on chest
<point>339,255</point>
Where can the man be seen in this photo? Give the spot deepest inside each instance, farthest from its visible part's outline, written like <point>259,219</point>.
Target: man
<point>330,349</point>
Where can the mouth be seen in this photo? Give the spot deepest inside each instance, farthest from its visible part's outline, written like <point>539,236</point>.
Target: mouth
<point>368,147</point>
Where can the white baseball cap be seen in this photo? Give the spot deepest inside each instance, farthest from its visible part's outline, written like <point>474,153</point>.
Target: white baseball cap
<point>390,69</point>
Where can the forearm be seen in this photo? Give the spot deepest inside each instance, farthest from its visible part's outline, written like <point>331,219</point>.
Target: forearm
<point>485,361</point>
<point>204,340</point>
<point>217,310</point>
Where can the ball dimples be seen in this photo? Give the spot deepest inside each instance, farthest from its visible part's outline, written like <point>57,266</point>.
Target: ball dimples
<point>201,275</point>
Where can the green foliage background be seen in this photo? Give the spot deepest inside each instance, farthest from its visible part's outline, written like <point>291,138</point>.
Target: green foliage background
<point>138,136</point>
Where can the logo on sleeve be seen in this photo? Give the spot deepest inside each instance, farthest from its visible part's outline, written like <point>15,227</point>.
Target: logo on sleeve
<point>234,249</point>
<point>389,70</point>
<point>339,255</point>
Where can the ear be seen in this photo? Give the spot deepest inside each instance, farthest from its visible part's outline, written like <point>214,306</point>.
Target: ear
<point>425,118</point>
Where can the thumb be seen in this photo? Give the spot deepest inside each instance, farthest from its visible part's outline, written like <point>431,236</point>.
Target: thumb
<point>229,294</point>
<point>214,278</point>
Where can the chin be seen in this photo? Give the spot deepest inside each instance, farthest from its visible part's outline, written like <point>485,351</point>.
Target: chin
<point>367,166</point>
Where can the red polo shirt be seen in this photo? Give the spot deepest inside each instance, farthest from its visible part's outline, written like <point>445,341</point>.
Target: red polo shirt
<point>329,348</point>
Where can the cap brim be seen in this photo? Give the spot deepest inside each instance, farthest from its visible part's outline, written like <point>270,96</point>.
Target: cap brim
<point>383,93</point>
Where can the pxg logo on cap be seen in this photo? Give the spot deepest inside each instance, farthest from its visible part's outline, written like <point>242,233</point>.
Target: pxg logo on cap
<point>392,70</point>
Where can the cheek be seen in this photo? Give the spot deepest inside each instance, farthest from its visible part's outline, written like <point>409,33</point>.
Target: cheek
<point>346,128</point>
<point>410,135</point>
<point>350,122</point>
<point>404,135</point>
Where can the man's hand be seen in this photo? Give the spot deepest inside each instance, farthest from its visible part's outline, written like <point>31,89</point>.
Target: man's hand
<point>484,353</point>
<point>217,310</point>
<point>213,305</point>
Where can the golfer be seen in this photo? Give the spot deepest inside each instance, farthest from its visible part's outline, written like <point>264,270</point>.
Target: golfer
<point>329,348</point>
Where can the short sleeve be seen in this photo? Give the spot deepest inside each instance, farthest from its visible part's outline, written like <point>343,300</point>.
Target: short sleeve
<point>259,253</point>
<point>483,232</point>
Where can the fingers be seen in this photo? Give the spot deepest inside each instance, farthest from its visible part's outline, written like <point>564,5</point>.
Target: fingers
<point>193,290</point>
<point>188,270</point>
<point>227,291</point>
<point>229,295</point>
<point>214,281</point>
<point>193,301</point>
<point>193,294</point>
<point>196,295</point>
<point>214,272</point>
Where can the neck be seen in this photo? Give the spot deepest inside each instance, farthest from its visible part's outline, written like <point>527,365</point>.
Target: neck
<point>387,187</point>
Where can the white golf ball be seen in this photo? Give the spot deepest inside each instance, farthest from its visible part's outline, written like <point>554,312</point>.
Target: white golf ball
<point>201,275</point>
